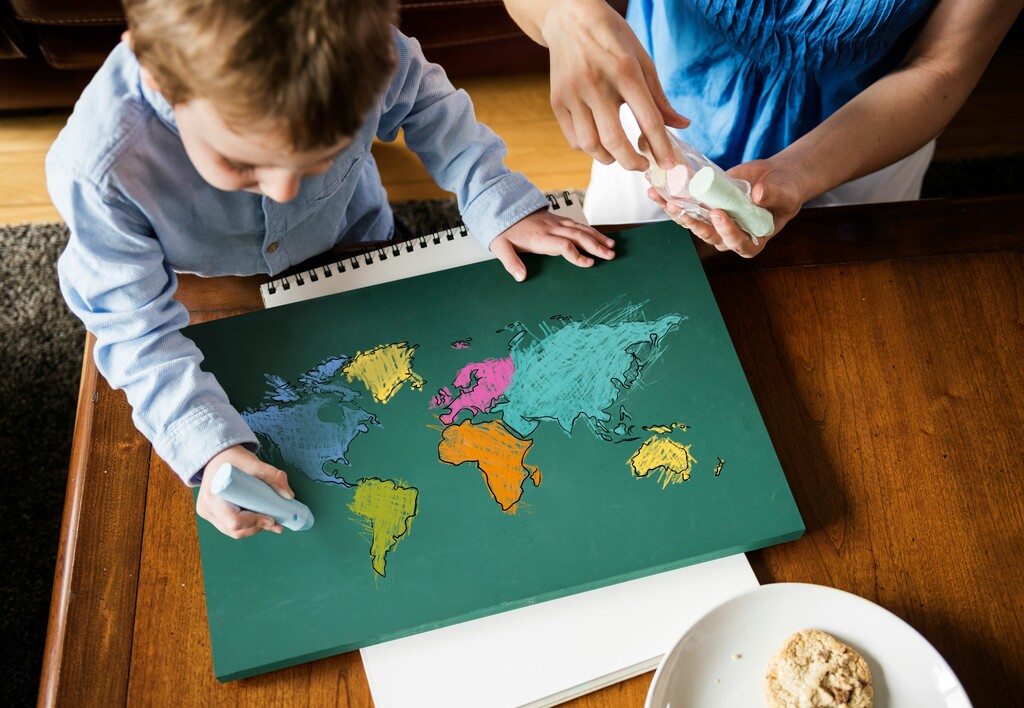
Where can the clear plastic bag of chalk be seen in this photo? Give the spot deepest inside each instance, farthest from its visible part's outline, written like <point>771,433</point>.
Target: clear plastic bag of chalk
<point>697,185</point>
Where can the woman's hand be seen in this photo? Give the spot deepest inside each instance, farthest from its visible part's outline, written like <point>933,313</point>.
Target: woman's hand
<point>777,189</point>
<point>598,64</point>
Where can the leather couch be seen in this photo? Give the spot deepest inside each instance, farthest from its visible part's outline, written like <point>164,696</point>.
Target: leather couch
<point>49,50</point>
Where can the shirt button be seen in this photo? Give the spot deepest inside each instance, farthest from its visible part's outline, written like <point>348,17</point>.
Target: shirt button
<point>272,247</point>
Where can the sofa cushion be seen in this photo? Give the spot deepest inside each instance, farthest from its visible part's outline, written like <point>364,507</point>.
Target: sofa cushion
<point>81,12</point>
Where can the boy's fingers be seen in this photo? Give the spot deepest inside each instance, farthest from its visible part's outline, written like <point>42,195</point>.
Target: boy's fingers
<point>504,252</point>
<point>567,249</point>
<point>236,522</point>
<point>552,242</point>
<point>275,478</point>
<point>268,523</point>
<point>591,241</point>
<point>571,228</point>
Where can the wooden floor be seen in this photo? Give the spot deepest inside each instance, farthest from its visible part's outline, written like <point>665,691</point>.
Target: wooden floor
<point>991,123</point>
<point>516,108</point>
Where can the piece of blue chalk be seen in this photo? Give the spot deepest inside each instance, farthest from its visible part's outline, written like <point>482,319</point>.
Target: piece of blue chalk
<point>233,485</point>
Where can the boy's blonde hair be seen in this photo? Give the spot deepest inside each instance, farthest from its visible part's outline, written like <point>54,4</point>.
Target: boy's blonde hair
<point>310,67</point>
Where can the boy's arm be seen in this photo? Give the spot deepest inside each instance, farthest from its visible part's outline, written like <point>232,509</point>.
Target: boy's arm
<point>500,207</point>
<point>114,278</point>
<point>462,155</point>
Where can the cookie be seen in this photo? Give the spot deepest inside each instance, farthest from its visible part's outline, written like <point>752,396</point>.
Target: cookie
<point>813,669</point>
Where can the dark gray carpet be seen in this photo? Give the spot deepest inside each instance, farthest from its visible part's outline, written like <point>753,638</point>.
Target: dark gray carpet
<point>40,362</point>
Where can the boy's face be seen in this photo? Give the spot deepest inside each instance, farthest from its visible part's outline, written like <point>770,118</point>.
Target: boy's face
<point>254,158</point>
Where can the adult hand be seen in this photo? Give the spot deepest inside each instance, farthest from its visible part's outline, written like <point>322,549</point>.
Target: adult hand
<point>225,516</point>
<point>776,188</point>
<point>543,232</point>
<point>597,64</point>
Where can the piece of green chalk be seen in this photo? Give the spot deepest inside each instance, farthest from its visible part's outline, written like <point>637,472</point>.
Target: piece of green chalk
<point>716,191</point>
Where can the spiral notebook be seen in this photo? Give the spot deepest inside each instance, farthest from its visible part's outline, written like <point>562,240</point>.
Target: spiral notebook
<point>449,247</point>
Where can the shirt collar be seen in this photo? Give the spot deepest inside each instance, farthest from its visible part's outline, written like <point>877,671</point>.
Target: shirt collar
<point>159,105</point>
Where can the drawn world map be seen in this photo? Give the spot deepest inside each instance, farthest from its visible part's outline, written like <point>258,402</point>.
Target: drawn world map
<point>562,372</point>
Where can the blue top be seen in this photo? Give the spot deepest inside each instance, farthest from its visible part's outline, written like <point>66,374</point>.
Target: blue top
<point>139,212</point>
<point>754,76</point>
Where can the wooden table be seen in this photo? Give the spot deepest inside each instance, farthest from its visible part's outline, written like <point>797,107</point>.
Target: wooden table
<point>885,347</point>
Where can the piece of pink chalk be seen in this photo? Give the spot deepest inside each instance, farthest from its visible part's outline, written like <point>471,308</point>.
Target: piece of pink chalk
<point>676,181</point>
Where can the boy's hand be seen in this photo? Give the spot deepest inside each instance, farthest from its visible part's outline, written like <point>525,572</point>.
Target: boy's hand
<point>225,516</point>
<point>543,232</point>
<point>777,190</point>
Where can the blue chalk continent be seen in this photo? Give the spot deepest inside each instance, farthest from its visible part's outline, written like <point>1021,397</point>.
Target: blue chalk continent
<point>312,426</point>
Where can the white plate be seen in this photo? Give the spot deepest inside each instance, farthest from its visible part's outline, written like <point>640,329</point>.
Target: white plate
<point>721,659</point>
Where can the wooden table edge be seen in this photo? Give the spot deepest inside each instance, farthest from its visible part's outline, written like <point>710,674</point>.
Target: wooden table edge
<point>53,652</point>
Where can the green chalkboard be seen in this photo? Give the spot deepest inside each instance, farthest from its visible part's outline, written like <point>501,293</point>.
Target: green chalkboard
<point>469,445</point>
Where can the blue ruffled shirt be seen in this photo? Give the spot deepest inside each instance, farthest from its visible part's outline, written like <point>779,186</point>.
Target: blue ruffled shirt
<point>139,212</point>
<point>755,76</point>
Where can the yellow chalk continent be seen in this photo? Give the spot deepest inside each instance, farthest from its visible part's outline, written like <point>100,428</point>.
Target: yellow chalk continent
<point>665,429</point>
<point>673,460</point>
<point>384,369</point>
<point>388,509</point>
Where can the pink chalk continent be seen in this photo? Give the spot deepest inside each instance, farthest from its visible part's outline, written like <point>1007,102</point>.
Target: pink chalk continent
<point>480,384</point>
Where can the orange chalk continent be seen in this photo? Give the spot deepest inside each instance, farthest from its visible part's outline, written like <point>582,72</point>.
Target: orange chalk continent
<point>500,455</point>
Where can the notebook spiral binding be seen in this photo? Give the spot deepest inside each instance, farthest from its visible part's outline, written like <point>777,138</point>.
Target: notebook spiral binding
<point>395,249</point>
<point>565,200</point>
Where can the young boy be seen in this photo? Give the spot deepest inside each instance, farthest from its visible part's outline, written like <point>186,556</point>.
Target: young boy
<point>233,137</point>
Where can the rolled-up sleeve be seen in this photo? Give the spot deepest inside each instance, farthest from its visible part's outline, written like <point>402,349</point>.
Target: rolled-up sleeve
<point>114,278</point>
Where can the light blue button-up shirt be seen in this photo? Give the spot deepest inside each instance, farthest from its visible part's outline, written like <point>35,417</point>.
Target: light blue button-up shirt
<point>139,212</point>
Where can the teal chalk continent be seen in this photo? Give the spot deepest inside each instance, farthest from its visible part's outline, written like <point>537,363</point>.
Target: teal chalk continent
<point>311,426</point>
<point>580,369</point>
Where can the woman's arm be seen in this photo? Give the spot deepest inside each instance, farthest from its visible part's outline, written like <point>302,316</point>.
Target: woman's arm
<point>905,109</point>
<point>887,121</point>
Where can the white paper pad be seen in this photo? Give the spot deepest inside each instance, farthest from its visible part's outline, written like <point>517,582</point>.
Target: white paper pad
<point>548,653</point>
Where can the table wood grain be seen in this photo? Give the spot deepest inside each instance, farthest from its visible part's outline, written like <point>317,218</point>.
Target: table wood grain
<point>884,345</point>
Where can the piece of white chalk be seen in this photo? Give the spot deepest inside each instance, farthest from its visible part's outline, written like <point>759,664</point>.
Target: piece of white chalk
<point>233,485</point>
<point>717,191</point>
